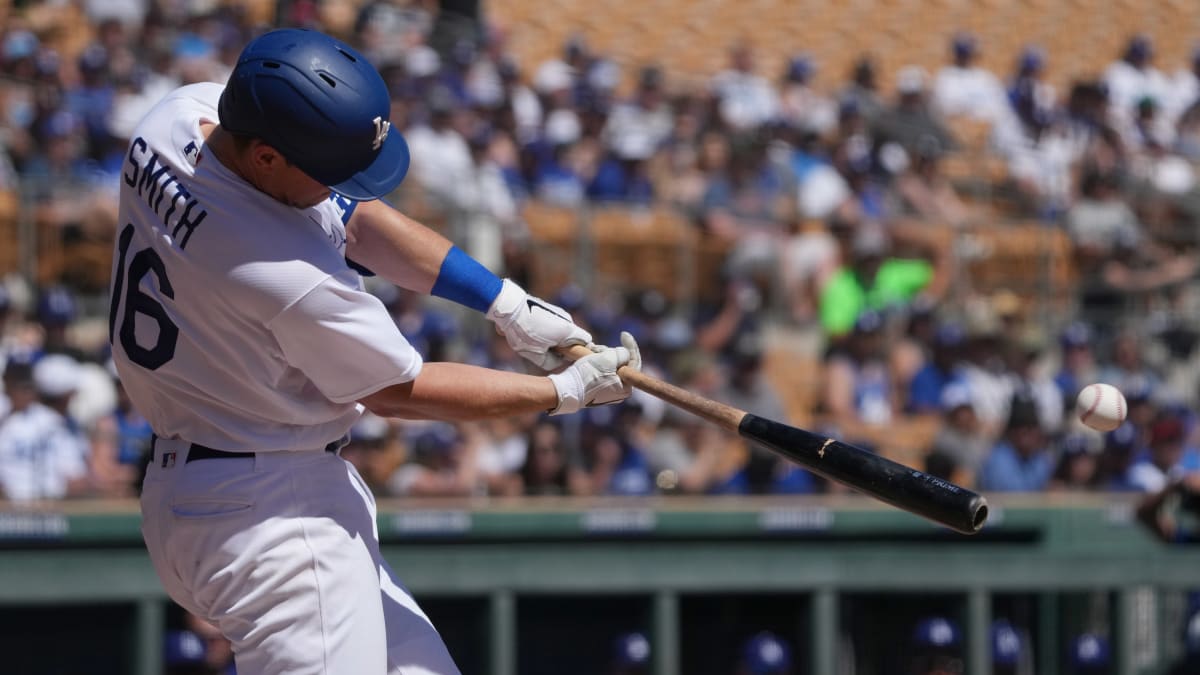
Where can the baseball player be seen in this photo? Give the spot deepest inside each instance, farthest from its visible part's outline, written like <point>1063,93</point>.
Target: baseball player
<point>241,331</point>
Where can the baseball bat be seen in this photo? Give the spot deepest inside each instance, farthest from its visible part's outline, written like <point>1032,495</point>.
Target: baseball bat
<point>901,486</point>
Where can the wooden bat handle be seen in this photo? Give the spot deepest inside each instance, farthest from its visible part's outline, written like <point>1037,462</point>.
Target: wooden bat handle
<point>725,416</point>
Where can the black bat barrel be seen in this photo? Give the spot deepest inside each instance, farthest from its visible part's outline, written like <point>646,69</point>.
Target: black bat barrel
<point>904,487</point>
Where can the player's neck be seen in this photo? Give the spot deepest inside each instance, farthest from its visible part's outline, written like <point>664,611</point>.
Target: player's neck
<point>221,147</point>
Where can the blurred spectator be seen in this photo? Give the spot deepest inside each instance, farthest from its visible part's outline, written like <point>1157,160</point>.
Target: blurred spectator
<point>42,455</point>
<point>1077,367</point>
<point>909,121</point>
<point>937,648</point>
<point>745,100</point>
<point>120,444</point>
<point>746,208</point>
<point>986,370</point>
<point>1114,257</point>
<point>1120,451</point>
<point>926,193</point>
<point>1078,462</point>
<point>858,386</point>
<point>872,279</point>
<point>860,92</point>
<point>1127,368</point>
<point>927,389</point>
<point>549,468</point>
<point>443,463</point>
<point>1089,654</point>
<point>963,88</point>
<point>808,259</point>
<point>686,454</point>
<point>801,105</point>
<point>1167,457</point>
<point>959,447</point>
<point>1144,408</point>
<point>1134,78</point>
<point>503,450</point>
<point>637,128</point>
<point>1021,461</point>
<point>57,309</point>
<point>1172,514</point>
<point>631,655</point>
<point>1029,378</point>
<point>1008,650</point>
<point>375,450</point>
<point>441,158</point>
<point>747,388</point>
<point>430,329</point>
<point>493,231</point>
<point>765,654</point>
<point>613,450</point>
<point>1185,87</point>
<point>1033,100</point>
<point>1042,160</point>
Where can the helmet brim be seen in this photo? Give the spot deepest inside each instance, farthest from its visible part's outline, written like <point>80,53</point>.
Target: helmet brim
<point>383,175</point>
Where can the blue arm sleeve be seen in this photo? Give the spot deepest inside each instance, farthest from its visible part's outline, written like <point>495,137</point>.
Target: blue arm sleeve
<point>466,282</point>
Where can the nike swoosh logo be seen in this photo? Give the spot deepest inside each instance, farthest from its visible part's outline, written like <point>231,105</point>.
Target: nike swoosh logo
<point>534,303</point>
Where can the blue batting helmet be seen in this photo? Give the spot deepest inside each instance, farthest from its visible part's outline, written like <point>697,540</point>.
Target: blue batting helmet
<point>322,105</point>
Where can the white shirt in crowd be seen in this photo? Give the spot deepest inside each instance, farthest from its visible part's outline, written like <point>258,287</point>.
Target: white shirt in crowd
<point>747,100</point>
<point>970,91</point>
<point>40,454</point>
<point>635,132</point>
<point>1128,85</point>
<point>441,160</point>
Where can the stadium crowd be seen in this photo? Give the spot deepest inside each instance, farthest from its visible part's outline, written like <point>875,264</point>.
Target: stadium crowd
<point>822,200</point>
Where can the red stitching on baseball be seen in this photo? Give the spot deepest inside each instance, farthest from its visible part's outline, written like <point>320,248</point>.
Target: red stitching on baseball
<point>1092,408</point>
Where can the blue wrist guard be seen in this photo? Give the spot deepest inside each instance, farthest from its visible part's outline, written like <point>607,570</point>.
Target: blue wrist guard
<point>463,280</point>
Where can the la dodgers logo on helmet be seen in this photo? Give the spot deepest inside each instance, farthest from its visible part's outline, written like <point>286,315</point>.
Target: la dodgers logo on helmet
<point>381,131</point>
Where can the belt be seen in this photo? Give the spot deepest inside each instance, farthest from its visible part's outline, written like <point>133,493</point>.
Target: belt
<point>197,451</point>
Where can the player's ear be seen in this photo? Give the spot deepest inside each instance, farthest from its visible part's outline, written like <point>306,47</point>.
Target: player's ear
<point>265,157</point>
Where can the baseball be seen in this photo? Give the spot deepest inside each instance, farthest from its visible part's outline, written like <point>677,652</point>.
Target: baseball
<point>1101,407</point>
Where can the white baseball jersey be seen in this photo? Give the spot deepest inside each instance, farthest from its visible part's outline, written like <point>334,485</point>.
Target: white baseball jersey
<point>39,454</point>
<point>235,320</point>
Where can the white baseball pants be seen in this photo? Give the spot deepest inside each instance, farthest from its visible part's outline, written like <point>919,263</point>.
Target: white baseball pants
<point>281,552</point>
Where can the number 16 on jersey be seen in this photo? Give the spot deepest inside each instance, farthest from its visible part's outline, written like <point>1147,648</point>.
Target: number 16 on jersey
<point>126,286</point>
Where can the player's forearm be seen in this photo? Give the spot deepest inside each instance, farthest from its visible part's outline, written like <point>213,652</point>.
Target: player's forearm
<point>395,246</point>
<point>455,391</point>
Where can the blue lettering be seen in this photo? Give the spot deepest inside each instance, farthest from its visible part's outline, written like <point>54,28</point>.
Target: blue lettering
<point>139,144</point>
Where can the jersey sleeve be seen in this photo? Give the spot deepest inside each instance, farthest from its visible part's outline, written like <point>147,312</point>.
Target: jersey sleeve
<point>345,342</point>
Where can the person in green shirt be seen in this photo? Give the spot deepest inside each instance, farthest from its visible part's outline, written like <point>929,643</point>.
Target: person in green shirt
<point>872,281</point>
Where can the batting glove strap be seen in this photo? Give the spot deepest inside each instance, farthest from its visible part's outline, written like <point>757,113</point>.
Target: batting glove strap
<point>534,327</point>
<point>591,381</point>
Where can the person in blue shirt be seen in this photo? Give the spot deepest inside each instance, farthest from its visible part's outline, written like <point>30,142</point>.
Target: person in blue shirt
<point>1021,460</point>
<point>925,389</point>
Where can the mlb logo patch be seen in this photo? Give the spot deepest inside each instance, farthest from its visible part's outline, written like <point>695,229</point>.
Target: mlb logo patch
<point>168,460</point>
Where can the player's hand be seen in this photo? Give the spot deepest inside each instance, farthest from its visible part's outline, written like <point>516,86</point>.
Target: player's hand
<point>593,380</point>
<point>534,327</point>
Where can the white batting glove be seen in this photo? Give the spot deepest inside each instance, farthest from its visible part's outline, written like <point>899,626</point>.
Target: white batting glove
<point>534,327</point>
<point>593,380</point>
